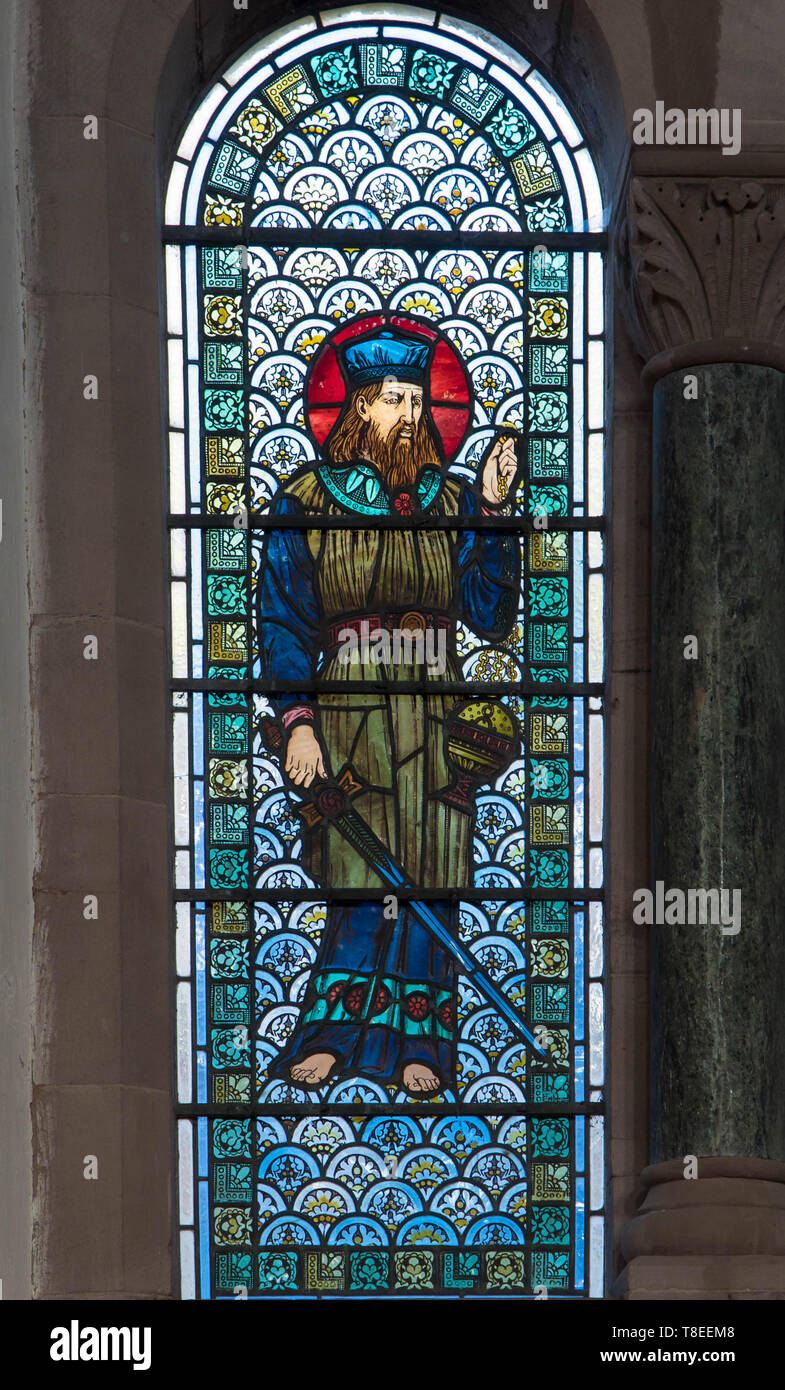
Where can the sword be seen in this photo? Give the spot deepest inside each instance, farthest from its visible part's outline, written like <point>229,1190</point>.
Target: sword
<point>330,800</point>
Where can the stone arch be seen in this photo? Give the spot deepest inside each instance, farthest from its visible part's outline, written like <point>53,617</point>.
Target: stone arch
<point>566,41</point>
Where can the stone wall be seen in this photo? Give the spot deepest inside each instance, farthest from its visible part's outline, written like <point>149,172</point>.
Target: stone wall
<point>102,1053</point>
<point>16,816</point>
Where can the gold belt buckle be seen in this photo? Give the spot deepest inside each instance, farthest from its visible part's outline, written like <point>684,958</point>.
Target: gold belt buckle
<point>413,621</point>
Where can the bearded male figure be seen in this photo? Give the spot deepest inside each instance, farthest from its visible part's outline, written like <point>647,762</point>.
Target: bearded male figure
<point>381,999</point>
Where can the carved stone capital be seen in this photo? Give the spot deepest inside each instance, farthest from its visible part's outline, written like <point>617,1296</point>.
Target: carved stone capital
<point>702,265</point>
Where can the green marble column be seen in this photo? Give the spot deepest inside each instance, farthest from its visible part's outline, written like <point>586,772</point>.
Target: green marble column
<point>718,760</point>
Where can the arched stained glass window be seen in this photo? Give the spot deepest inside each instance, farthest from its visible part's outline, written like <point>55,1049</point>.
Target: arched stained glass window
<point>385,314</point>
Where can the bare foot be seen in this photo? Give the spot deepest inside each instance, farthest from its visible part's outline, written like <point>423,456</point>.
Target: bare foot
<point>314,1069</point>
<point>419,1077</point>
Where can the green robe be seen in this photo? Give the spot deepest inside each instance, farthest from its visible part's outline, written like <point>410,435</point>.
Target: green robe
<point>383,991</point>
<point>394,742</point>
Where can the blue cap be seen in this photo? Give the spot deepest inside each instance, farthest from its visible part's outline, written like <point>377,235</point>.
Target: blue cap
<point>388,353</point>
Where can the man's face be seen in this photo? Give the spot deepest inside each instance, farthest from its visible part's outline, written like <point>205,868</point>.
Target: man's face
<point>399,404</point>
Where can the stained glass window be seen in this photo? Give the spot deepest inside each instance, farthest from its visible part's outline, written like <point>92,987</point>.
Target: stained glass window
<point>385,335</point>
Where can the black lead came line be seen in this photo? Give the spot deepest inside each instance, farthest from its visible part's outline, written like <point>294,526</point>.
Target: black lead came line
<point>383,238</point>
<point>379,1109</point>
<point>320,894</point>
<point>262,521</point>
<point>524,690</point>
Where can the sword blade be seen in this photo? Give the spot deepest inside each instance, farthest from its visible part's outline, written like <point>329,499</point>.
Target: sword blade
<point>359,834</point>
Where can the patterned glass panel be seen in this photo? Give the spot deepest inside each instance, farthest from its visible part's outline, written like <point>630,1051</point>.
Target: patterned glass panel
<point>390,964</point>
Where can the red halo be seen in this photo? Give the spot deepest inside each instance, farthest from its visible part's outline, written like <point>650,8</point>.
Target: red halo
<point>447,386</point>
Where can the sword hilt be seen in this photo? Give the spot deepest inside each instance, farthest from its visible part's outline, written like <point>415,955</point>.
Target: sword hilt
<point>327,797</point>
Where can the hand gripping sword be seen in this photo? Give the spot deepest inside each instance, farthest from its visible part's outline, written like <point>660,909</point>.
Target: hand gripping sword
<point>331,800</point>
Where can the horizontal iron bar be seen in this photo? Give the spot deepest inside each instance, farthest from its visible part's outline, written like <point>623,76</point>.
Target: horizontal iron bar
<point>524,689</point>
<point>381,237</point>
<point>519,1293</point>
<point>197,521</point>
<point>385,1110</point>
<point>361,895</point>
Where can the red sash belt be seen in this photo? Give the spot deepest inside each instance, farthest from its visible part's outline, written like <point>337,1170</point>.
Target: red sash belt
<point>411,620</point>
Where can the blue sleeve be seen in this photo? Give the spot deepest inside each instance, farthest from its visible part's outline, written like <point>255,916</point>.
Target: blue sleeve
<point>288,615</point>
<point>489,575</point>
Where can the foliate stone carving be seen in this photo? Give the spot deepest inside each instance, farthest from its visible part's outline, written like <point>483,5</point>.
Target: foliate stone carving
<point>703,266</point>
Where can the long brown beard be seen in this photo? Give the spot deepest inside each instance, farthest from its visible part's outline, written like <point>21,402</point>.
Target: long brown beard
<point>399,460</point>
